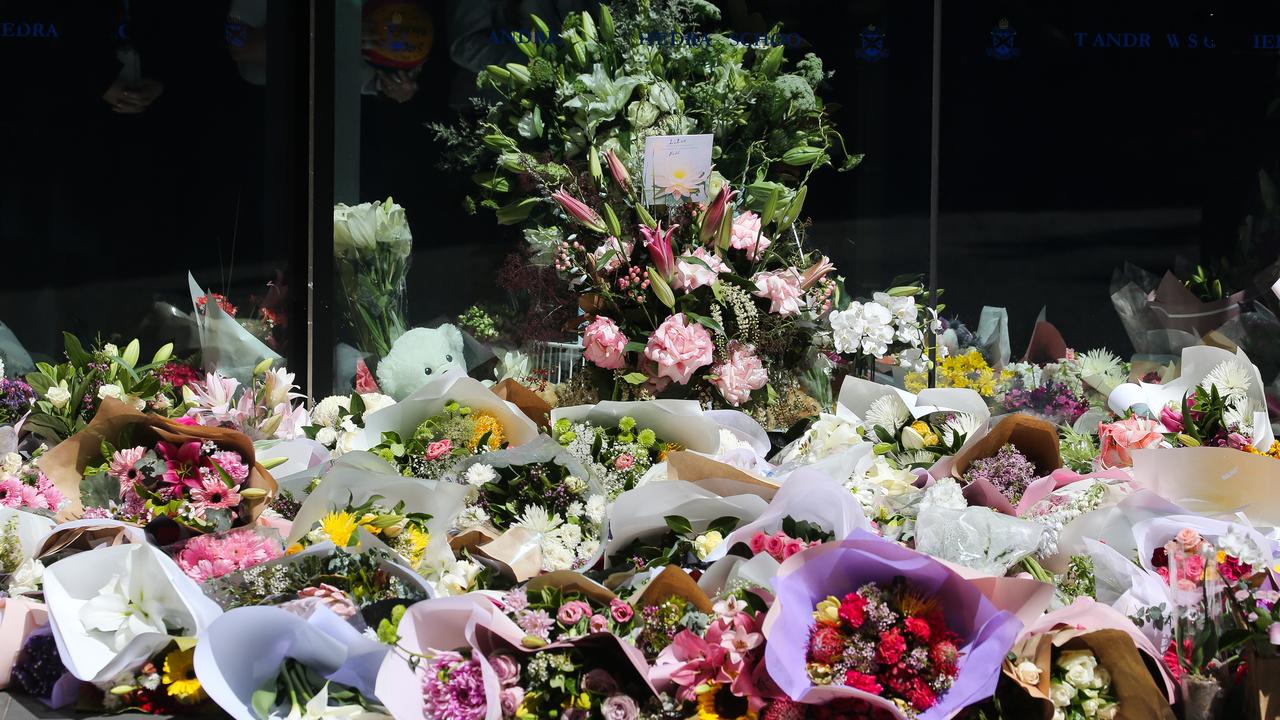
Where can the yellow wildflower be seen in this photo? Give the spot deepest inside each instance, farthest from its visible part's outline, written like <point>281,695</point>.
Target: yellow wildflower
<point>486,423</point>
<point>180,677</point>
<point>339,527</point>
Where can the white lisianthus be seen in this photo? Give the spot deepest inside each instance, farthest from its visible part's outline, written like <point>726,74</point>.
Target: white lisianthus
<point>58,395</point>
<point>479,474</point>
<point>706,542</point>
<point>393,228</point>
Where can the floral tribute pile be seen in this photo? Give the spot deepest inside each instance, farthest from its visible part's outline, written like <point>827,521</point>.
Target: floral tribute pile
<point>773,517</point>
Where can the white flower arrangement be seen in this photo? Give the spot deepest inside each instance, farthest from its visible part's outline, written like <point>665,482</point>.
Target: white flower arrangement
<point>1081,688</point>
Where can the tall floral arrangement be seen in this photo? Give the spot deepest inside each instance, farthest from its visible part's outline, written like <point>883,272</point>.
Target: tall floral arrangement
<point>371,244</point>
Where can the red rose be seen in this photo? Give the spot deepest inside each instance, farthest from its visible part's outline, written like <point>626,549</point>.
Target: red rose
<point>861,681</point>
<point>918,628</point>
<point>892,645</point>
<point>852,610</point>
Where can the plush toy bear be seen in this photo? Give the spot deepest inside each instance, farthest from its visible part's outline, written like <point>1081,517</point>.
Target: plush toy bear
<point>419,356</point>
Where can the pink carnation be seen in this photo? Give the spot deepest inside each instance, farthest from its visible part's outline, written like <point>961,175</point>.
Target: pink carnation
<point>746,228</point>
<point>1119,439</point>
<point>740,374</point>
<point>439,448</point>
<point>781,288</point>
<point>691,275</point>
<point>604,344</point>
<point>232,464</point>
<point>679,348</point>
<point>624,461</point>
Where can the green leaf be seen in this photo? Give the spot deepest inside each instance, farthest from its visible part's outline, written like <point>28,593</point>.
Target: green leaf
<point>723,525</point>
<point>492,181</point>
<point>678,525</point>
<point>770,207</point>
<point>75,351</point>
<point>704,321</point>
<point>635,378</point>
<point>263,699</point>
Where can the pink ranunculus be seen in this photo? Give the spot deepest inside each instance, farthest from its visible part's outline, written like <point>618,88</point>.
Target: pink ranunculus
<point>757,542</point>
<point>1120,438</point>
<point>1189,539</point>
<point>739,375</point>
<point>624,461</point>
<point>691,275</point>
<point>604,344</point>
<point>439,449</point>
<point>571,612</point>
<point>621,610</point>
<point>680,348</point>
<point>791,548</point>
<point>598,624</point>
<point>746,228</point>
<point>781,288</point>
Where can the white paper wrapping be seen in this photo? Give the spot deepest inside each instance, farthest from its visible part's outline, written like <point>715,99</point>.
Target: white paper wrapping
<point>1217,482</point>
<point>976,537</point>
<point>300,454</point>
<point>678,421</point>
<point>639,513</point>
<point>32,529</point>
<point>245,648</point>
<point>1126,587</point>
<point>807,494</point>
<point>70,583</point>
<point>358,476</point>
<point>405,416</point>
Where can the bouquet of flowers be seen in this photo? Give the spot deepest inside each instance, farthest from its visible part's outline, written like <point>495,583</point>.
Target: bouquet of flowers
<point>553,613</point>
<point>536,505</point>
<point>1079,688</point>
<point>888,326</point>
<point>619,455</point>
<point>965,370</point>
<point>299,691</point>
<point>69,394</point>
<point>337,420</point>
<point>1008,471</point>
<point>908,442</point>
<point>23,485</point>
<point>16,399</point>
<point>680,545</point>
<point>405,532</point>
<point>440,441</point>
<point>371,244</point>
<point>205,557</point>
<point>264,409</point>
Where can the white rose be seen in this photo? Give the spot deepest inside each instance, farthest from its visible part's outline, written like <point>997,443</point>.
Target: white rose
<point>479,474</point>
<point>1027,672</point>
<point>1101,679</point>
<point>1079,666</point>
<point>1061,694</point>
<point>58,395</point>
<point>706,542</point>
<point>1090,707</point>
<point>327,437</point>
<point>27,578</point>
<point>11,462</point>
<point>1108,711</point>
<point>376,401</point>
<point>110,390</point>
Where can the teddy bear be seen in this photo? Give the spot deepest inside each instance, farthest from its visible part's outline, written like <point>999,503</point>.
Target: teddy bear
<point>419,356</point>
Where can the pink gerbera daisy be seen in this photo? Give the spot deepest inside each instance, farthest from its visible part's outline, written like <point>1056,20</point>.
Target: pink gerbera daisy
<point>124,465</point>
<point>213,494</point>
<point>10,492</point>
<point>246,548</point>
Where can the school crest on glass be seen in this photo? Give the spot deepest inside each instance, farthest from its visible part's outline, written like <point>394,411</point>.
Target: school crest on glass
<point>676,168</point>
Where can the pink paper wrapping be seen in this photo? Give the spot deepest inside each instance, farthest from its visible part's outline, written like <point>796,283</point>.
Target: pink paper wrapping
<point>20,617</point>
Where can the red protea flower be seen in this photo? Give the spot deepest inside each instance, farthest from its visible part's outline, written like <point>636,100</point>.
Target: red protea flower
<point>945,655</point>
<point>826,644</point>
<point>892,646</point>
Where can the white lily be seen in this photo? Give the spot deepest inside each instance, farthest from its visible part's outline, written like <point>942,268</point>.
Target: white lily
<point>131,603</point>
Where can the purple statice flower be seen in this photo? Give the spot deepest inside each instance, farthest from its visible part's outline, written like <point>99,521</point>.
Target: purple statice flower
<point>15,399</point>
<point>536,623</point>
<point>1008,471</point>
<point>38,667</point>
<point>453,689</point>
<point>1052,400</point>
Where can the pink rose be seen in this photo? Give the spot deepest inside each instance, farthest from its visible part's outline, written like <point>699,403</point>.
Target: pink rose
<point>573,611</point>
<point>506,668</point>
<point>679,348</point>
<point>757,542</point>
<point>624,461</point>
<point>620,610</point>
<point>604,344</point>
<point>774,544</point>
<point>511,699</point>
<point>781,288</point>
<point>1189,539</point>
<point>598,623</point>
<point>746,228</point>
<point>1192,569</point>
<point>1119,438</point>
<point>692,275</point>
<point>740,374</point>
<point>791,548</point>
<point>439,449</point>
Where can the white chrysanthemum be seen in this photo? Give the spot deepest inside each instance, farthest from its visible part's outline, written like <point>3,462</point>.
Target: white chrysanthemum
<point>595,508</point>
<point>1238,416</point>
<point>1232,379</point>
<point>888,412</point>
<point>567,534</point>
<point>1101,362</point>
<point>325,413</point>
<point>536,519</point>
<point>588,547</point>
<point>479,474</point>
<point>557,557</point>
<point>908,458</point>
<point>945,493</point>
<point>575,509</point>
<point>959,424</point>
<point>472,517</point>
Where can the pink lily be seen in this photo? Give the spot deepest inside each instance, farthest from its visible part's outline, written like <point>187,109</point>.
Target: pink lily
<point>579,211</point>
<point>617,170</point>
<point>816,272</point>
<point>658,243</point>
<point>715,213</point>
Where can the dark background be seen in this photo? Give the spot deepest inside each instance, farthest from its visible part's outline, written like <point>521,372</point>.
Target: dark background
<point>1057,165</point>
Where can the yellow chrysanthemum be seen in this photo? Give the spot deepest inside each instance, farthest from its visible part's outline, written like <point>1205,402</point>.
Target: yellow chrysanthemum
<point>707,709</point>
<point>339,527</point>
<point>1273,451</point>
<point>412,543</point>
<point>180,677</point>
<point>969,370</point>
<point>926,432</point>
<point>486,423</point>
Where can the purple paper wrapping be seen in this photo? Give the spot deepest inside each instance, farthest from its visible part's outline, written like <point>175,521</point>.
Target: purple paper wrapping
<point>839,568</point>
